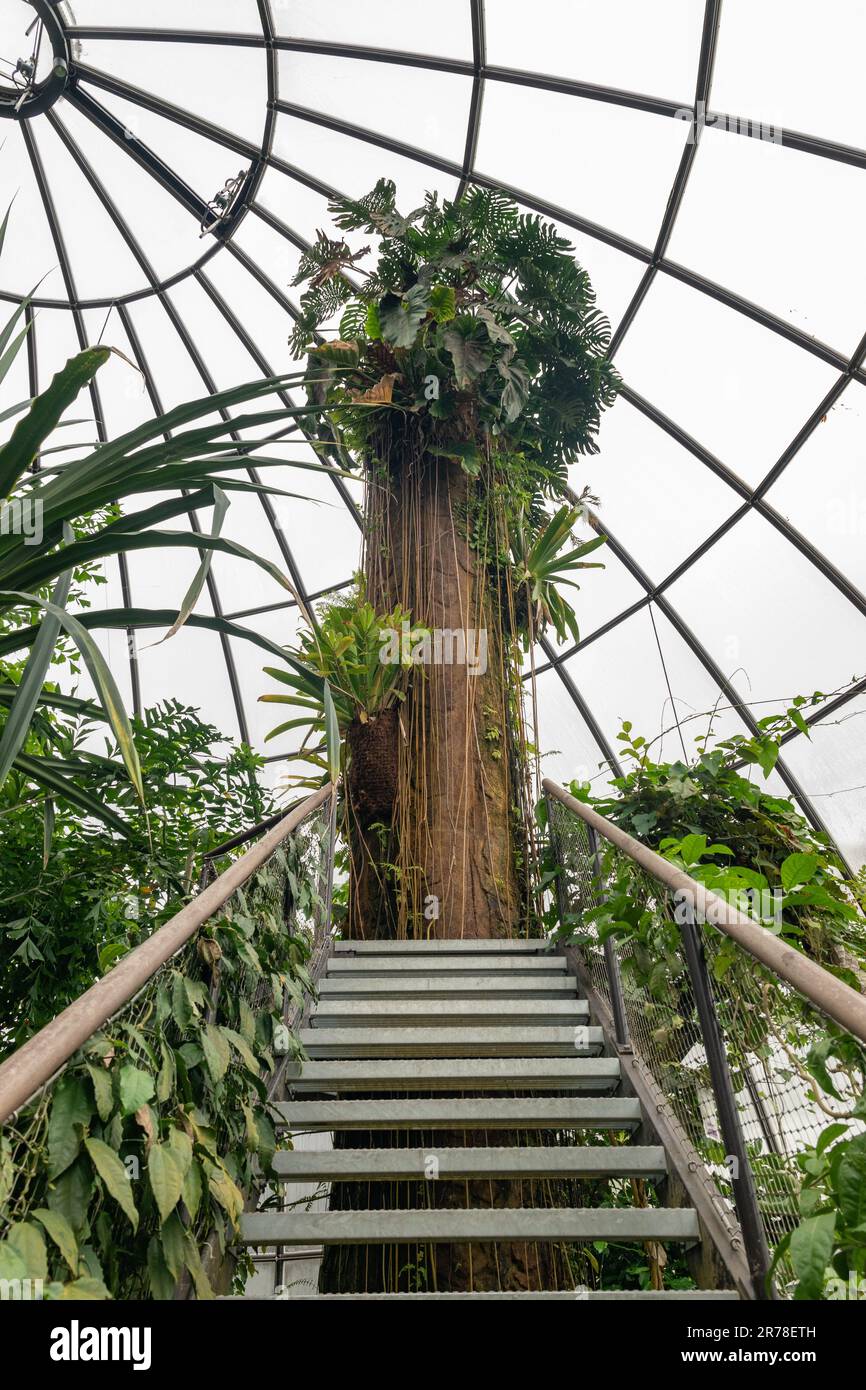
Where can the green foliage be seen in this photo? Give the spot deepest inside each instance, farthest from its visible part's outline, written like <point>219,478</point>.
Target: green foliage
<point>827,1250</point>
<point>363,658</point>
<point>72,902</point>
<point>540,565</point>
<point>113,1178</point>
<point>160,456</point>
<point>483,299</point>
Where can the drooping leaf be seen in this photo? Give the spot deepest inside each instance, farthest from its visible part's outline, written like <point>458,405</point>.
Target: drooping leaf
<point>165,1175</point>
<point>61,1233</point>
<point>811,1248</point>
<point>115,1177</point>
<point>71,1109</point>
<point>134,1088</point>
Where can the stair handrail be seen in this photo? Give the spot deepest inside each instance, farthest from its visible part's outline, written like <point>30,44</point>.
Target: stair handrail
<point>837,1000</point>
<point>33,1064</point>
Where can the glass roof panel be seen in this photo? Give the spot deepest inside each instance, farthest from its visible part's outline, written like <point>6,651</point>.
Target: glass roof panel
<point>433,106</point>
<point>238,15</point>
<point>657,498</point>
<point>748,221</point>
<point>833,513</point>
<point>623,43</point>
<point>832,768</point>
<point>802,634</point>
<point>737,388</point>
<point>795,64</point>
<point>606,163</point>
<point>389,24</point>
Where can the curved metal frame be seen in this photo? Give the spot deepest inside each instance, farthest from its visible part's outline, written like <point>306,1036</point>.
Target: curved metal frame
<point>84,81</point>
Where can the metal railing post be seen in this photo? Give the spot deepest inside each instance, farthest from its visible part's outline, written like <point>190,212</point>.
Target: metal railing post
<point>611,959</point>
<point>742,1179</point>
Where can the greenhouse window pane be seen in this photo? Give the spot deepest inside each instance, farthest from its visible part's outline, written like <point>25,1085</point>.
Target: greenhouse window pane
<point>611,165</point>
<point>794,63</point>
<point>832,515</point>
<point>736,387</point>
<point>798,206</point>
<point>623,43</point>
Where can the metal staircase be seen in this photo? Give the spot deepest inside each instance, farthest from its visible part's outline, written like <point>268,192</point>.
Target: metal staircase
<point>421,1039</point>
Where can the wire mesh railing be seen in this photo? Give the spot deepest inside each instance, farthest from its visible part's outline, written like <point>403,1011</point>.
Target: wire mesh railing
<point>752,1070</point>
<point>138,1124</point>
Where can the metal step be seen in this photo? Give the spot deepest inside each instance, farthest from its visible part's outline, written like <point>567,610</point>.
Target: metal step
<point>532,1112</point>
<point>447,965</point>
<point>441,987</point>
<point>458,1074</point>
<point>447,1013</point>
<point>445,946</point>
<point>531,1161</point>
<point>264,1228</point>
<point>452,1042</point>
<point>563,1295</point>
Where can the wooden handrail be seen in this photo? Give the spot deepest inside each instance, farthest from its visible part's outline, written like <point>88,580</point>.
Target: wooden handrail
<point>832,997</point>
<point>36,1061</point>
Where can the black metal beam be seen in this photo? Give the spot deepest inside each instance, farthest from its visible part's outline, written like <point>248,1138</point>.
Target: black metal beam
<point>213,591</point>
<point>57,237</point>
<point>473,123</point>
<point>588,91</point>
<point>145,157</point>
<point>709,37</point>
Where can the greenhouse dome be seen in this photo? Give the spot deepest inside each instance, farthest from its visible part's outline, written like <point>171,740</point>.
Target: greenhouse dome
<point>347,235</point>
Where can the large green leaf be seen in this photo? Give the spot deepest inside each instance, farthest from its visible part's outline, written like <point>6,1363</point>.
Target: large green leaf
<point>104,682</point>
<point>45,774</point>
<point>45,413</point>
<point>18,721</point>
<point>144,617</point>
<point>115,1177</point>
<point>811,1249</point>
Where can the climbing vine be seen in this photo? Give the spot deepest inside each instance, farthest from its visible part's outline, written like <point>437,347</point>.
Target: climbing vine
<point>117,1175</point>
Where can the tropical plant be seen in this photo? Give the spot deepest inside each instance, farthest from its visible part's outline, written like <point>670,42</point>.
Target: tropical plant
<point>472,295</point>
<point>540,567</point>
<point>74,899</point>
<point>360,657</point>
<point>114,1178</point>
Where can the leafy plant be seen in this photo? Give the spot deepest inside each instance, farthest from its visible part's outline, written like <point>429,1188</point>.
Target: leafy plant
<point>360,658</point>
<point>540,566</point>
<point>113,1179</point>
<point>193,466</point>
<point>74,899</point>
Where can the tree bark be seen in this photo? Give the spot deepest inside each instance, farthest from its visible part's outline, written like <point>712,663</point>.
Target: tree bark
<point>453,838</point>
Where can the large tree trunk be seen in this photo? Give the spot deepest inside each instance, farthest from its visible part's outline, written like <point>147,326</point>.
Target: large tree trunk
<point>452,838</point>
<point>455,834</point>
